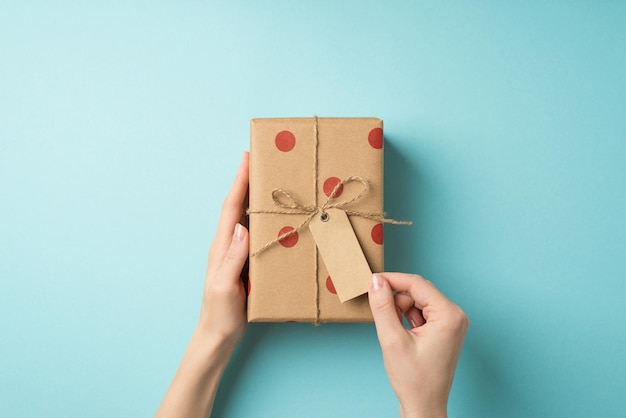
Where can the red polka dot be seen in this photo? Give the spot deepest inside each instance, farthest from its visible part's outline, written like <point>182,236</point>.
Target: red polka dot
<point>290,240</point>
<point>330,286</point>
<point>375,138</point>
<point>329,186</point>
<point>377,234</point>
<point>285,141</point>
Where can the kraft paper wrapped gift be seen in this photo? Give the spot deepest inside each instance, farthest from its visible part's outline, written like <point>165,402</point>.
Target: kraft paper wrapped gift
<point>306,158</point>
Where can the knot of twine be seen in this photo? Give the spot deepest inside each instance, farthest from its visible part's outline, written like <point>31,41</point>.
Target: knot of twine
<point>289,205</point>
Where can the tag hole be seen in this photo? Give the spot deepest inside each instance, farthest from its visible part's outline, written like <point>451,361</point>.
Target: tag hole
<point>324,217</point>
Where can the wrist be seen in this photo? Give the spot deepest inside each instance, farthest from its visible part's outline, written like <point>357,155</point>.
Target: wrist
<point>215,335</point>
<point>210,349</point>
<point>423,412</point>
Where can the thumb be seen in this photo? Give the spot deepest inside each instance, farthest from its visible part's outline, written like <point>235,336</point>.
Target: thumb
<point>384,309</point>
<point>236,255</point>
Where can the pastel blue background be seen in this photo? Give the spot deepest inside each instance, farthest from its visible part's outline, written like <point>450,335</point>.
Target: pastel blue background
<point>121,126</point>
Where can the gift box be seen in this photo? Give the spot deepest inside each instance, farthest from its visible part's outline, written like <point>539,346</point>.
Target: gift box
<point>298,165</point>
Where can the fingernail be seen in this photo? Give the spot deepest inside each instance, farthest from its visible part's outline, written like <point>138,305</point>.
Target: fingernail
<point>376,282</point>
<point>238,232</point>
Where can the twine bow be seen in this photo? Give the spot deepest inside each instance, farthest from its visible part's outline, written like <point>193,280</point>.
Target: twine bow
<point>289,205</point>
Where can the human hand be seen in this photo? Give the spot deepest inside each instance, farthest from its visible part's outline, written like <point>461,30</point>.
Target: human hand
<point>420,362</point>
<point>223,312</point>
<point>222,316</point>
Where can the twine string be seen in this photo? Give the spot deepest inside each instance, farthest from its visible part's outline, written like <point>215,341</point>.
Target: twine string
<point>317,264</point>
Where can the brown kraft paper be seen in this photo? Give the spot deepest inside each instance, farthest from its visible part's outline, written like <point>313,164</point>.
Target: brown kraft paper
<point>307,157</point>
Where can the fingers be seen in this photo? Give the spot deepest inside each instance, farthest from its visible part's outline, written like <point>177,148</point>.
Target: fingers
<point>406,306</point>
<point>232,210</point>
<point>423,292</point>
<point>236,256</point>
<point>381,299</point>
<point>429,304</point>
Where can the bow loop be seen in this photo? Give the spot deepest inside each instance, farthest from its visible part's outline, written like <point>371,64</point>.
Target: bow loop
<point>284,199</point>
<point>332,200</point>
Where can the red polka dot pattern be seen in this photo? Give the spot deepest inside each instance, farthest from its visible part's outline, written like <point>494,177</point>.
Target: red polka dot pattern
<point>285,141</point>
<point>329,186</point>
<point>290,240</point>
<point>375,138</point>
<point>377,234</point>
<point>330,286</point>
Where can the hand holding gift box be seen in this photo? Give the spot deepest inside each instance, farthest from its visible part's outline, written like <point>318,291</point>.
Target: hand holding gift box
<point>301,171</point>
